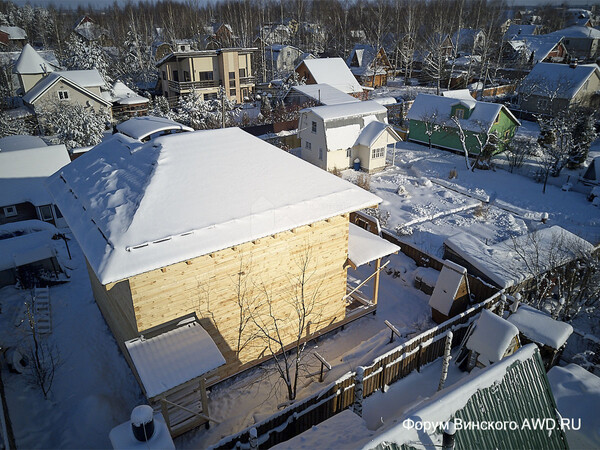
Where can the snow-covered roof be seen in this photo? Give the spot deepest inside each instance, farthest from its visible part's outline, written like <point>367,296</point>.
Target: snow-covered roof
<point>134,209</point>
<point>540,327</point>
<point>483,114</point>
<point>385,100</point>
<point>444,405</point>
<point>491,337</point>
<point>559,80</point>
<point>122,95</point>
<point>503,265</point>
<point>578,32</point>
<point>20,142</point>
<point>364,246</point>
<point>90,30</point>
<point>30,62</point>
<point>538,46</point>
<point>140,128</point>
<point>466,37</point>
<point>372,131</point>
<point>23,172</point>
<point>446,287</point>
<point>364,55</point>
<point>333,71</point>
<point>25,249</point>
<point>346,110</point>
<point>174,357</point>
<point>86,78</point>
<point>325,94</point>
<point>516,30</point>
<point>69,78</point>
<point>14,33</point>
<point>577,395</point>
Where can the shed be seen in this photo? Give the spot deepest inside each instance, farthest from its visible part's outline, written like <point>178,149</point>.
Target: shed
<point>537,327</point>
<point>491,339</point>
<point>591,177</point>
<point>451,294</point>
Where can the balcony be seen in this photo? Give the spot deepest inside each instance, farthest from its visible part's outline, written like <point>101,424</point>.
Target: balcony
<point>247,80</point>
<point>187,86</point>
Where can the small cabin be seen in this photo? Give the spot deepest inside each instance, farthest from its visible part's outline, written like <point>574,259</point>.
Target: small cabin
<point>451,294</point>
<point>490,339</point>
<point>548,334</point>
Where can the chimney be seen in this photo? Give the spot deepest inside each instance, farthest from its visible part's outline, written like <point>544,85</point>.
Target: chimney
<point>573,63</point>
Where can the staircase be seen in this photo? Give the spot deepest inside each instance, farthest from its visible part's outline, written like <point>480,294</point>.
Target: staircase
<point>42,311</point>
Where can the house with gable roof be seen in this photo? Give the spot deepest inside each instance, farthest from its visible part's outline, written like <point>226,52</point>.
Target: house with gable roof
<point>550,88</point>
<point>165,227</point>
<point>89,30</point>
<point>468,40</point>
<point>281,59</point>
<point>530,50</point>
<point>581,42</point>
<point>31,67</point>
<point>431,121</point>
<point>371,67</point>
<point>335,136</point>
<point>83,87</point>
<point>12,37</point>
<point>332,71</point>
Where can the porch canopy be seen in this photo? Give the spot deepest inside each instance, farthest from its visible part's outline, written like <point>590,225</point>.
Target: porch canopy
<point>364,247</point>
<point>174,357</point>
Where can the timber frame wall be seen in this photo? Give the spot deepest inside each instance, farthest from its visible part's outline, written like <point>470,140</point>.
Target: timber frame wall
<point>207,286</point>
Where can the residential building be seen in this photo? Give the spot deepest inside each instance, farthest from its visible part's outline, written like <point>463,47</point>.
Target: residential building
<point>515,31</point>
<point>331,71</point>
<point>281,60</point>
<point>31,67</point>
<point>167,226</point>
<point>82,87</point>
<point>12,37</point>
<point>25,163</point>
<point>319,94</point>
<point>468,41</point>
<point>529,50</point>
<point>205,72</point>
<point>335,136</point>
<point>550,88</point>
<point>220,35</point>
<point>371,67</point>
<point>580,41</point>
<point>126,103</point>
<point>87,29</point>
<point>432,121</point>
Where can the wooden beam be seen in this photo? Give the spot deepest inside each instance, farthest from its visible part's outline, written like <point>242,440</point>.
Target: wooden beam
<point>376,284</point>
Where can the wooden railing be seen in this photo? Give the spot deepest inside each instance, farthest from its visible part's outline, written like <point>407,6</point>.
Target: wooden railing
<point>339,395</point>
<point>181,86</point>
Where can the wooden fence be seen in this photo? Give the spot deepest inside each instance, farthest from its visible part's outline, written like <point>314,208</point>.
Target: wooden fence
<point>339,395</point>
<point>480,290</point>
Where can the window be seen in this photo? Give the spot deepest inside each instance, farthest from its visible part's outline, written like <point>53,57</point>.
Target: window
<point>212,96</point>
<point>57,212</point>
<point>205,76</point>
<point>10,211</point>
<point>63,95</point>
<point>349,153</point>
<point>164,75</point>
<point>543,103</point>
<point>232,75</point>
<point>242,73</point>
<point>232,92</point>
<point>377,153</point>
<point>186,76</point>
<point>46,213</point>
<point>314,127</point>
<point>321,154</point>
<point>176,75</point>
<point>459,113</point>
<point>308,145</point>
<point>497,119</point>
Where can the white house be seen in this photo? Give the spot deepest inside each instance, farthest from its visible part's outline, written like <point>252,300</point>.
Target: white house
<point>281,59</point>
<point>31,67</point>
<point>334,136</point>
<point>331,71</point>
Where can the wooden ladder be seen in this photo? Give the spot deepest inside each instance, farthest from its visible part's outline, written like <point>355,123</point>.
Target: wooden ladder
<point>42,310</point>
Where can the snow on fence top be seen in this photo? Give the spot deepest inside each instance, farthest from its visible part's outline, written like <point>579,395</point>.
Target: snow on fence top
<point>491,337</point>
<point>184,195</point>
<point>511,262</point>
<point>173,358</point>
<point>23,172</point>
<point>335,72</point>
<point>540,327</point>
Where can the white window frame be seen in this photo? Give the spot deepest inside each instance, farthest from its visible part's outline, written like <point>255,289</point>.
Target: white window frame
<point>378,152</point>
<point>459,113</point>
<point>63,94</point>
<point>349,152</point>
<point>46,219</point>
<point>10,211</point>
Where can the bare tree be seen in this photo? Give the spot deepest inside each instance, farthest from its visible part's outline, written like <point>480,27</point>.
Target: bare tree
<point>284,330</point>
<point>518,149</point>
<point>484,142</point>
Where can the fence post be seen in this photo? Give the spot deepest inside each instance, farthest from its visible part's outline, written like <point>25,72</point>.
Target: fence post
<point>358,391</point>
<point>501,305</point>
<point>446,361</point>
<point>253,439</point>
<point>419,351</point>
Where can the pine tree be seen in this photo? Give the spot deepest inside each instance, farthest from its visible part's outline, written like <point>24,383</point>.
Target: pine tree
<point>584,134</point>
<point>76,125</point>
<point>85,55</point>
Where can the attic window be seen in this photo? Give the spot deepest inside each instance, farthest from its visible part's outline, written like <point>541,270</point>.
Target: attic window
<point>63,95</point>
<point>314,127</point>
<point>459,113</point>
<point>497,119</point>
<point>10,211</point>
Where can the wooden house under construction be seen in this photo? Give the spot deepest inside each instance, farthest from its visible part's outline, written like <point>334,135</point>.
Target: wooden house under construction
<point>191,243</point>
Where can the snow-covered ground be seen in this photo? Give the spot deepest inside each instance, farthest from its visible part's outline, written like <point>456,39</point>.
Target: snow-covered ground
<point>94,389</point>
